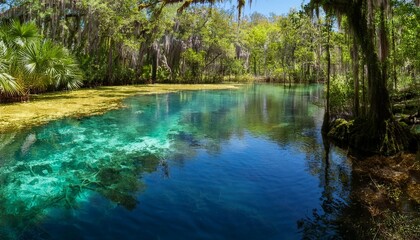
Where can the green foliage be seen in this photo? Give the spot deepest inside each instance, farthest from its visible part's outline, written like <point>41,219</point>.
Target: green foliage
<point>30,63</point>
<point>283,47</point>
<point>116,42</point>
<point>47,65</point>
<point>242,78</point>
<point>339,131</point>
<point>163,74</point>
<point>236,67</point>
<point>341,93</point>
<point>8,84</point>
<point>196,62</point>
<point>16,35</point>
<point>147,72</point>
<point>405,30</point>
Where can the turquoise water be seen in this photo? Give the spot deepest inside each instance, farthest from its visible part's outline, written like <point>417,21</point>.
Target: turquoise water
<point>232,164</point>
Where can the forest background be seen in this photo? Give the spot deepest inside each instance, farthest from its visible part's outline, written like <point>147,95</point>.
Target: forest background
<point>52,45</point>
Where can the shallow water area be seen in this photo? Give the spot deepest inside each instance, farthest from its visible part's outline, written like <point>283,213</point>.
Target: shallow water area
<point>229,164</point>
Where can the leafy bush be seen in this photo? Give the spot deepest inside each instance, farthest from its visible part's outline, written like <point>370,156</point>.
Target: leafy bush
<point>341,95</point>
<point>32,64</point>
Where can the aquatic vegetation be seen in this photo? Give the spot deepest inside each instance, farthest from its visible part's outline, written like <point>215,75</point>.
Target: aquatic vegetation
<point>63,167</point>
<point>214,161</point>
<point>85,102</point>
<point>62,179</point>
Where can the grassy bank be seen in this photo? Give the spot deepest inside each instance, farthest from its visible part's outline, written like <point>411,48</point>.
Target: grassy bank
<point>84,102</point>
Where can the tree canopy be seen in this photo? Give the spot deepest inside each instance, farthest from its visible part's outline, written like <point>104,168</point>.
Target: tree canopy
<point>367,48</point>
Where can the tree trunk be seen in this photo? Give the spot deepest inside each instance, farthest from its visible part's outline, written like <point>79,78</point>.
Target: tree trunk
<point>326,122</point>
<point>364,89</point>
<point>356,78</point>
<point>380,108</point>
<point>379,133</point>
<point>255,66</point>
<point>110,62</point>
<point>154,63</point>
<point>394,55</point>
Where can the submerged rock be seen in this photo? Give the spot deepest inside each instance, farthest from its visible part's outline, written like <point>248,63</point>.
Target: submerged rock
<point>382,180</point>
<point>42,170</point>
<point>29,141</point>
<point>187,137</point>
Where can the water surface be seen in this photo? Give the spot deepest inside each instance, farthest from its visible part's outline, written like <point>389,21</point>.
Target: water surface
<point>231,164</point>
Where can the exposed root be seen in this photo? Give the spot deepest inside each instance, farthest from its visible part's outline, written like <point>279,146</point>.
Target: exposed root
<point>363,138</point>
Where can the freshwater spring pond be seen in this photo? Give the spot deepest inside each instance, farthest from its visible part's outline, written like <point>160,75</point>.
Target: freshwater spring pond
<point>231,164</point>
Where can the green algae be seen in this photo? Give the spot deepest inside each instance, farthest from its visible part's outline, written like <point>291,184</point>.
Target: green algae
<point>84,102</point>
<point>63,166</point>
<point>340,130</point>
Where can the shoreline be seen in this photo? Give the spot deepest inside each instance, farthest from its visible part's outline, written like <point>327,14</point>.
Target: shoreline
<point>386,189</point>
<point>47,107</point>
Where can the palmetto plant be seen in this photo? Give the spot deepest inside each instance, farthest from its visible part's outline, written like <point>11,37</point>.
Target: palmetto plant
<point>48,66</point>
<point>29,63</point>
<point>8,84</point>
<point>15,35</point>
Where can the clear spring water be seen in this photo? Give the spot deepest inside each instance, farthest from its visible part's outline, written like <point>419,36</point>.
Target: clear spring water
<point>232,164</point>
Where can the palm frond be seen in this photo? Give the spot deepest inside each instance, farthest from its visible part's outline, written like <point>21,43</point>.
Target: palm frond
<point>8,85</point>
<point>15,34</point>
<point>48,64</point>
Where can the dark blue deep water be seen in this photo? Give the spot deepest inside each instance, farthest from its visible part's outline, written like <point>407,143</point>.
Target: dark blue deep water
<point>232,164</point>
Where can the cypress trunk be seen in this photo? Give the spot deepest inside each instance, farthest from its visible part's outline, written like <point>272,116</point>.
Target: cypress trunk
<point>326,122</point>
<point>356,78</point>
<point>154,65</point>
<point>155,60</point>
<point>379,133</point>
<point>110,62</point>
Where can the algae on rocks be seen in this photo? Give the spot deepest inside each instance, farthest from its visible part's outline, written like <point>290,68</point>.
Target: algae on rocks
<point>339,131</point>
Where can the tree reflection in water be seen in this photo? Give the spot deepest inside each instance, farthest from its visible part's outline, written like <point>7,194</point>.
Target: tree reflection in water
<point>330,222</point>
<point>108,155</point>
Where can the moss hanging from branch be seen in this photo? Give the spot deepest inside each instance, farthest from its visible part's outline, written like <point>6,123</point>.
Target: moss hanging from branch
<point>379,132</point>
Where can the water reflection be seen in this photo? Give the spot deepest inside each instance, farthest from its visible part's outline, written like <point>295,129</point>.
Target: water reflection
<point>285,116</point>
<point>329,221</point>
<point>66,164</point>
